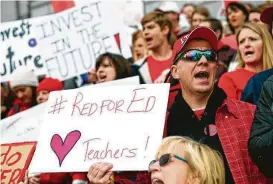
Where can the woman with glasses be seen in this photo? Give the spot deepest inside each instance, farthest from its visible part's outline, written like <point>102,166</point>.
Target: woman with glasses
<point>181,160</point>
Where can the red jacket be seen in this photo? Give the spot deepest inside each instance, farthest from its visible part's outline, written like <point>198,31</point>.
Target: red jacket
<point>233,120</point>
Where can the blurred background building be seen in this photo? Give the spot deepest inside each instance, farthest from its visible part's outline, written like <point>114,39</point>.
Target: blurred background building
<point>15,10</point>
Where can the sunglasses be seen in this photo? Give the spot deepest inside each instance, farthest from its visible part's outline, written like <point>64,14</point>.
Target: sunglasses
<point>195,55</point>
<point>164,159</point>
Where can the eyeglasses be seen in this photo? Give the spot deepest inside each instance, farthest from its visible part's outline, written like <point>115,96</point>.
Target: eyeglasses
<point>195,55</point>
<point>164,159</point>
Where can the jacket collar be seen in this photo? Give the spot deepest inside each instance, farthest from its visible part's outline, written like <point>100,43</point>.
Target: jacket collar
<point>229,106</point>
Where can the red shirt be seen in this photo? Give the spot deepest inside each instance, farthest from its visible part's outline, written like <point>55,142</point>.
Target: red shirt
<point>156,67</point>
<point>233,83</point>
<point>198,113</point>
<point>230,41</point>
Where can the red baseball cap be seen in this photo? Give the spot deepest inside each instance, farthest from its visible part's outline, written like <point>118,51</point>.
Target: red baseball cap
<point>267,15</point>
<point>198,33</point>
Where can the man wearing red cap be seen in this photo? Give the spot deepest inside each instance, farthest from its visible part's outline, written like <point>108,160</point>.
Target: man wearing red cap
<point>201,110</point>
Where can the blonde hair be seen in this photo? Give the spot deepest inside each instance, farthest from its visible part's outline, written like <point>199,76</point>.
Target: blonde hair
<point>267,44</point>
<point>205,163</point>
<point>136,35</point>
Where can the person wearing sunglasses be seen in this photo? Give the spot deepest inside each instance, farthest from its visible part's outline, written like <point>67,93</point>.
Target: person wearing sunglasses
<point>191,161</point>
<point>199,109</point>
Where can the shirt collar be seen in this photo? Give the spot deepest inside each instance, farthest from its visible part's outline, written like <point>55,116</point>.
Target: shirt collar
<point>230,107</point>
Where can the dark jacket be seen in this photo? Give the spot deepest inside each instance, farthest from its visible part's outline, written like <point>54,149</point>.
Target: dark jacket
<point>261,138</point>
<point>253,88</point>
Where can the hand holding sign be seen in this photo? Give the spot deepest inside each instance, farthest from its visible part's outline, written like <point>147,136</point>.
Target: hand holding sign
<point>100,173</point>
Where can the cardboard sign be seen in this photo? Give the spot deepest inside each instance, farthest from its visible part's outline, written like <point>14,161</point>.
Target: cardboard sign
<point>122,125</point>
<point>15,159</point>
<point>70,41</point>
<point>19,47</point>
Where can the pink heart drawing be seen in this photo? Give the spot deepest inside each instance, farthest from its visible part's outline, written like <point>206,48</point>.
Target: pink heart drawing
<point>62,148</point>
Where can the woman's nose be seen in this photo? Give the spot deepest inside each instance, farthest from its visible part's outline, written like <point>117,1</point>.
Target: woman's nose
<point>231,16</point>
<point>154,167</point>
<point>39,98</point>
<point>20,95</point>
<point>100,69</point>
<point>247,43</point>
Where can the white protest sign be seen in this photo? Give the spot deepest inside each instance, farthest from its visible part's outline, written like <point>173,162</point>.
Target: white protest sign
<point>19,47</point>
<point>122,125</point>
<point>23,126</point>
<point>122,17</point>
<point>70,41</point>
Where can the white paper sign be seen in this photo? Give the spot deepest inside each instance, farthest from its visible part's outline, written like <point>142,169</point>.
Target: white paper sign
<point>70,41</point>
<point>124,17</point>
<point>19,47</point>
<point>61,45</point>
<point>122,125</point>
<point>24,126</point>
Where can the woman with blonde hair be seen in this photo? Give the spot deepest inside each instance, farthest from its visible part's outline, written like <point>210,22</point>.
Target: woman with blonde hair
<point>255,54</point>
<point>139,46</point>
<point>181,160</point>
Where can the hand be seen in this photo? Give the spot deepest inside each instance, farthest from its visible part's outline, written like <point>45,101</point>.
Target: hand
<point>34,179</point>
<point>25,181</point>
<point>92,76</point>
<point>99,173</point>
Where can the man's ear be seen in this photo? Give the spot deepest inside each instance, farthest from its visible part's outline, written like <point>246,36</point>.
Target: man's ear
<point>175,72</point>
<point>166,30</point>
<point>218,34</point>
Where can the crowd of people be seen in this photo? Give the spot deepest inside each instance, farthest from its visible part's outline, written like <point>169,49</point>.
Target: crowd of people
<point>219,73</point>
